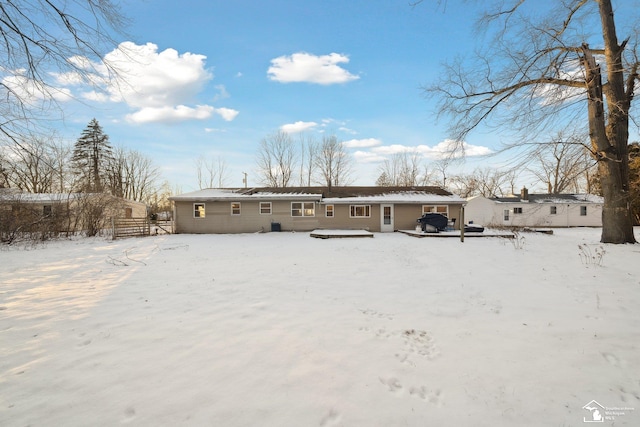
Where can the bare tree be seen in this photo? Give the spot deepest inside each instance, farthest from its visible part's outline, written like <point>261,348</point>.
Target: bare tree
<point>40,39</point>
<point>39,165</point>
<point>402,169</point>
<point>427,176</point>
<point>561,164</point>
<point>441,167</point>
<point>60,160</point>
<point>131,175</point>
<point>276,160</point>
<point>30,166</point>
<point>211,173</point>
<point>333,162</point>
<point>540,73</point>
<point>308,153</point>
<point>140,177</point>
<point>487,182</point>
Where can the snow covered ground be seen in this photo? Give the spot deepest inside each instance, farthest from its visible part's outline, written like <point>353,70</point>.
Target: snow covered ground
<point>281,329</point>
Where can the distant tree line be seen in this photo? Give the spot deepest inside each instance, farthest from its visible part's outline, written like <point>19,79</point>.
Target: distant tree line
<point>283,161</point>
<point>93,175</point>
<point>91,165</point>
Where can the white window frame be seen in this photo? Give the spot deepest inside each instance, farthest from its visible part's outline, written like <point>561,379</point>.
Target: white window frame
<point>353,211</point>
<point>264,206</point>
<point>583,210</point>
<point>202,212</point>
<point>440,209</point>
<point>518,210</point>
<point>553,210</point>
<point>239,209</point>
<point>330,211</point>
<point>306,209</point>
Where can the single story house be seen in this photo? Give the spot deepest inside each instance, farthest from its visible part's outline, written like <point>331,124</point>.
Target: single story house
<point>65,212</point>
<point>536,210</point>
<point>247,210</point>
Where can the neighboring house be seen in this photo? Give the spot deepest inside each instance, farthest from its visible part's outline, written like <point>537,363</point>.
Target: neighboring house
<point>536,210</point>
<point>308,208</point>
<point>65,212</point>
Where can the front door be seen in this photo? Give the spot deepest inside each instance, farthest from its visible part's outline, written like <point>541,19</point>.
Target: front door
<point>386,218</point>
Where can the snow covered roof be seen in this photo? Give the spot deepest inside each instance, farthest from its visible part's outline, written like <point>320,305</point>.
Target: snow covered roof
<point>551,199</point>
<point>335,195</point>
<point>214,194</point>
<point>412,197</point>
<point>13,196</point>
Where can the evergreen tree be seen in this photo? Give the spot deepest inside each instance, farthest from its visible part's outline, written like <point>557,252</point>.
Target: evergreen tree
<point>92,155</point>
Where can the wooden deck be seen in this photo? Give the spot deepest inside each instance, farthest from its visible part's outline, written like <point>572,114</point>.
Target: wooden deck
<point>340,234</point>
<point>456,233</point>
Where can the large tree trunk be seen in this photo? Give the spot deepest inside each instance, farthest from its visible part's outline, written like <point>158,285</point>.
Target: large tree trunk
<point>609,131</point>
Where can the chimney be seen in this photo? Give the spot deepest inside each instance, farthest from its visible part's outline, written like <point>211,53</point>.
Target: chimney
<point>524,194</point>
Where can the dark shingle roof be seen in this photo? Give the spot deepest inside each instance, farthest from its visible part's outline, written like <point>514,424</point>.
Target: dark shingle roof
<point>350,191</point>
<point>548,198</point>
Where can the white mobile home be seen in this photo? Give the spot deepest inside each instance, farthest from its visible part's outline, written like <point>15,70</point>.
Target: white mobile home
<point>536,210</point>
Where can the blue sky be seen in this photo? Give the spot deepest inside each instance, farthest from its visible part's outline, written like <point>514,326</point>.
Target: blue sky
<point>213,78</point>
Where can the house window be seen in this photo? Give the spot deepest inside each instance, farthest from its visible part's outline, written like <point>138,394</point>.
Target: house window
<point>441,209</point>
<point>359,211</point>
<point>265,208</point>
<point>128,212</point>
<point>303,209</point>
<point>46,210</point>
<point>198,210</point>
<point>235,208</point>
<point>583,211</point>
<point>506,214</point>
<point>328,211</point>
<point>517,210</point>
<point>553,210</point>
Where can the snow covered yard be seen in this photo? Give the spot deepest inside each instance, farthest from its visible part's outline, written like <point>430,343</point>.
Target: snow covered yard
<point>281,329</point>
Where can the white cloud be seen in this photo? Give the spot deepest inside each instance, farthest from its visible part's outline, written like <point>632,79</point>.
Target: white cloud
<point>222,93</point>
<point>226,113</point>
<point>393,149</point>
<point>152,79</point>
<point>439,151</point>
<point>368,157</point>
<point>298,127</point>
<point>158,85</point>
<point>362,143</point>
<point>449,146</point>
<point>347,130</point>
<point>32,91</point>
<point>305,67</point>
<point>170,114</point>
<point>95,96</point>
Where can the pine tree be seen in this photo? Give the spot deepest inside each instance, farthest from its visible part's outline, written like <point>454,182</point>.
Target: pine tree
<point>91,157</point>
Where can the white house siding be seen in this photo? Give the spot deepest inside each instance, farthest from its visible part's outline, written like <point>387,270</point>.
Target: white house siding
<point>480,210</point>
<point>489,212</point>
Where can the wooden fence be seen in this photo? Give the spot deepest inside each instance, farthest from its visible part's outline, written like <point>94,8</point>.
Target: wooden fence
<point>130,227</point>
<point>135,227</point>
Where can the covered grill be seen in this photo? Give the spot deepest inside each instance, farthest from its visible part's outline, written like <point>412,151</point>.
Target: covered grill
<point>433,222</point>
